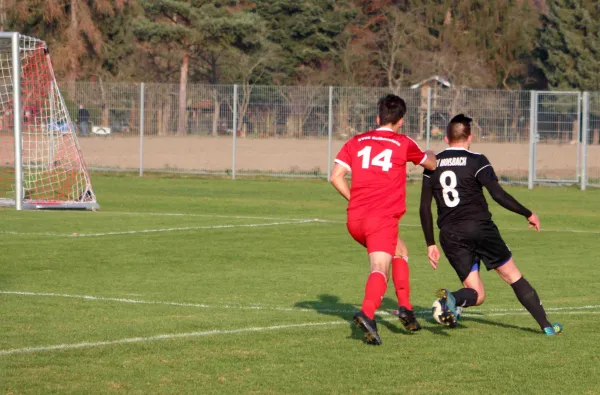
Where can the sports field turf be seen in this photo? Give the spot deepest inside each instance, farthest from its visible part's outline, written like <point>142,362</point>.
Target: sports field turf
<point>210,286</point>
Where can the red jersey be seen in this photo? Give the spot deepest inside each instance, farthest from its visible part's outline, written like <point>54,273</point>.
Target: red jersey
<point>377,160</point>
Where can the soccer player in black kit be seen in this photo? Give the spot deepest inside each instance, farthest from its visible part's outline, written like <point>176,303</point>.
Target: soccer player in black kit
<point>468,235</point>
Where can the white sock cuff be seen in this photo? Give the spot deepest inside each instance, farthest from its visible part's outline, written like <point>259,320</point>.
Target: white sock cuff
<point>382,273</point>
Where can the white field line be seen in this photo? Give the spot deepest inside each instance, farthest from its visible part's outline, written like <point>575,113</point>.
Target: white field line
<point>524,228</point>
<point>471,312</point>
<point>71,346</point>
<point>208,216</point>
<point>161,230</point>
<point>27,350</point>
<point>162,337</point>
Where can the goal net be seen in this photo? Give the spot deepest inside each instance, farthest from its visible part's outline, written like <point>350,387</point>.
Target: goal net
<point>41,164</point>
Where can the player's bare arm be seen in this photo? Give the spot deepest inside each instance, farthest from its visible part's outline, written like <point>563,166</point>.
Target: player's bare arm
<point>338,179</point>
<point>504,199</point>
<point>430,163</point>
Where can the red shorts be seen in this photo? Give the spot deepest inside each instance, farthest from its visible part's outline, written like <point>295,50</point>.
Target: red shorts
<point>377,234</point>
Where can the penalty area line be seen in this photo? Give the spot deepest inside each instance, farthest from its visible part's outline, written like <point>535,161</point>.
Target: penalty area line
<point>71,346</point>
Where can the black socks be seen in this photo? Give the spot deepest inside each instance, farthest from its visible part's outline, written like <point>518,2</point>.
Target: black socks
<point>530,300</point>
<point>465,297</point>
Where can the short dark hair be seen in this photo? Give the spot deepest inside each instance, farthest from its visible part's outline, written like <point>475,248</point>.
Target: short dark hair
<point>459,128</point>
<point>391,109</point>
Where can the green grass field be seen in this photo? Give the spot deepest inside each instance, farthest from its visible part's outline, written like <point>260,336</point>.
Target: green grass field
<point>212,286</point>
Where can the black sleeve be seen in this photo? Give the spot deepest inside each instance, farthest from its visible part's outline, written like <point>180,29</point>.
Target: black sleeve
<point>487,177</point>
<point>506,200</point>
<point>425,209</point>
<point>485,172</point>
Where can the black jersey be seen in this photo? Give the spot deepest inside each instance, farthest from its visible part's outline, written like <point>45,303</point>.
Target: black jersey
<point>457,185</point>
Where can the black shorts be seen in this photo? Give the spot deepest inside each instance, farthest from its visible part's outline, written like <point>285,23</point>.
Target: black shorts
<point>468,243</point>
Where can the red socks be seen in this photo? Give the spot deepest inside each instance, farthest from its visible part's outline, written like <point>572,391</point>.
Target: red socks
<point>401,278</point>
<point>377,285</point>
<point>374,291</point>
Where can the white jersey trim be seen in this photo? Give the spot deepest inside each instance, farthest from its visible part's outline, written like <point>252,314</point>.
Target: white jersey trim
<point>341,162</point>
<point>477,172</point>
<point>415,143</point>
<point>424,159</point>
<point>425,175</point>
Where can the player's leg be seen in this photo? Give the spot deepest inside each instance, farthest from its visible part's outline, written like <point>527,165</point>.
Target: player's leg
<point>473,292</point>
<point>496,255</point>
<point>375,288</point>
<point>380,240</point>
<point>463,260</point>
<point>527,295</point>
<point>380,263</point>
<point>401,279</point>
<point>401,275</point>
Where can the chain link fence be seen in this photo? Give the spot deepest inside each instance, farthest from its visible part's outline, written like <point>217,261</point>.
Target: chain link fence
<point>296,131</point>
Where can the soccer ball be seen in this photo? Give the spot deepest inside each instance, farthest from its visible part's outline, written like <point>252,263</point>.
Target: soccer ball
<point>436,311</point>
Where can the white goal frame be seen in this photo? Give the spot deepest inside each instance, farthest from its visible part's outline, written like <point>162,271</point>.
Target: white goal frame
<point>77,194</point>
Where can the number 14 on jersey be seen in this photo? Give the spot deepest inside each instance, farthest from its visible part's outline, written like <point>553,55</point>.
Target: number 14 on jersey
<point>383,159</point>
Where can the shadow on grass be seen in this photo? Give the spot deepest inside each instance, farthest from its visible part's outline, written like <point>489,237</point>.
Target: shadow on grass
<point>480,320</point>
<point>331,305</point>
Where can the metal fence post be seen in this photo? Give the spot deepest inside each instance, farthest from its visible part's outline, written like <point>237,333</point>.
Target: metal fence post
<point>585,123</point>
<point>329,133</point>
<point>579,129</point>
<point>532,136</point>
<point>235,102</point>
<point>428,123</point>
<point>142,129</point>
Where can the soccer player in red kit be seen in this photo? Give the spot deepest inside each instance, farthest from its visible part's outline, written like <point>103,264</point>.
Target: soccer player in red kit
<point>377,162</point>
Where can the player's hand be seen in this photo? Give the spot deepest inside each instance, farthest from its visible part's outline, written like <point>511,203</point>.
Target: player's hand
<point>434,255</point>
<point>534,222</point>
<point>430,153</point>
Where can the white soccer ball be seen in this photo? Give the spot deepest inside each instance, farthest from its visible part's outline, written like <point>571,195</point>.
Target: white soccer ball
<point>436,311</point>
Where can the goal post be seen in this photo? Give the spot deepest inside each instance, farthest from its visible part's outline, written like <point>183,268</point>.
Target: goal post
<point>41,163</point>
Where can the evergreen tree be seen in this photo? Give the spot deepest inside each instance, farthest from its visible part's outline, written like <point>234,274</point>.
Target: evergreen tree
<point>306,32</point>
<point>209,34</point>
<point>569,45</point>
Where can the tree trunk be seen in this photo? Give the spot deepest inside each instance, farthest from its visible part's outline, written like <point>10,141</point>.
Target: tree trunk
<point>181,121</point>
<point>243,108</point>
<point>515,133</point>
<point>72,68</point>
<point>159,119</point>
<point>3,9</point>
<point>216,113</point>
<point>104,106</point>
<point>73,14</point>
<point>343,113</point>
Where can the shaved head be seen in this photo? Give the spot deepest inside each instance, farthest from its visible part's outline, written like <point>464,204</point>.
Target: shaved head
<point>459,128</point>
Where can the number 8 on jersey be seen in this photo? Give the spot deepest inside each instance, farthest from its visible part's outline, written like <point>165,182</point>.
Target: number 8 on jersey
<point>450,194</point>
